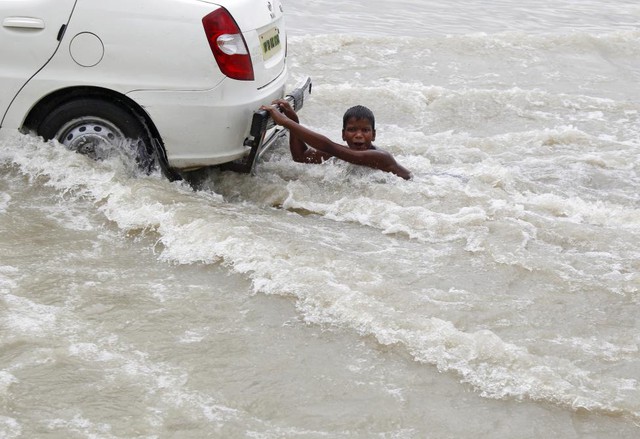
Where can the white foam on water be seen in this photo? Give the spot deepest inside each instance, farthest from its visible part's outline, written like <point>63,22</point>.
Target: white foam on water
<point>10,428</point>
<point>5,199</point>
<point>316,269</point>
<point>27,318</point>
<point>82,426</point>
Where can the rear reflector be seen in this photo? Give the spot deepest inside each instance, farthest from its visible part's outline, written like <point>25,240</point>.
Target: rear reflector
<point>228,45</point>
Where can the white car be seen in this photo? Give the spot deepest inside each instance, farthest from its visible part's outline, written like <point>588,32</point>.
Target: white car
<point>182,78</point>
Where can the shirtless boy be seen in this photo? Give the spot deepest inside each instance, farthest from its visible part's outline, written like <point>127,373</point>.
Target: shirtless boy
<point>358,131</point>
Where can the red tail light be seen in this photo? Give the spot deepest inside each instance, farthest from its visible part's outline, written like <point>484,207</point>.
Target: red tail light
<point>228,45</point>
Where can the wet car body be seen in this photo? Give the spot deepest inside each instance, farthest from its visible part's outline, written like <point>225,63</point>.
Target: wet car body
<point>184,76</point>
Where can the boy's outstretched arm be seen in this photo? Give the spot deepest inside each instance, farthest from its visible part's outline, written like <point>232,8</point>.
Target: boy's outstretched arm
<point>300,152</point>
<point>376,159</point>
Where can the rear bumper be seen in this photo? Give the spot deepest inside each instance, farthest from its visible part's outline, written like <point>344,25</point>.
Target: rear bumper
<point>205,128</point>
<point>263,133</point>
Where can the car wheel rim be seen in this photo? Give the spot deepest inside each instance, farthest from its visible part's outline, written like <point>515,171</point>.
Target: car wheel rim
<point>92,136</point>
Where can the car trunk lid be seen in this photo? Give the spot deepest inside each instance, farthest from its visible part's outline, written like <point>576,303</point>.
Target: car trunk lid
<point>262,25</point>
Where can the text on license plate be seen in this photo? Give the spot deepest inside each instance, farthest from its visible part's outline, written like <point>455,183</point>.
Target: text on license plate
<point>270,42</point>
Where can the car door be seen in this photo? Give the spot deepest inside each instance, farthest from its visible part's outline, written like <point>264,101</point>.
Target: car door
<point>29,36</point>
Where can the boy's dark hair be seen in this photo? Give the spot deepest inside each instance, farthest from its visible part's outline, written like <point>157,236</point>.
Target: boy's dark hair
<point>359,112</point>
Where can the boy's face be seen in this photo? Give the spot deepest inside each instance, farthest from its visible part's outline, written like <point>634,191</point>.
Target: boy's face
<point>358,134</point>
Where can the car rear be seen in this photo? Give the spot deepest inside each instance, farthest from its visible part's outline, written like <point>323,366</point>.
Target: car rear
<point>247,43</point>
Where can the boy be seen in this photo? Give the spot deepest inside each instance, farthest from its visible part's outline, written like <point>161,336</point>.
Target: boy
<point>358,130</point>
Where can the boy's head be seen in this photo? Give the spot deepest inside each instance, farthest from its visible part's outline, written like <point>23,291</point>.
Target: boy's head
<point>359,127</point>
<point>359,112</point>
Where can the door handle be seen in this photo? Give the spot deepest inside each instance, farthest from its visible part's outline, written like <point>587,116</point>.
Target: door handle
<point>23,22</point>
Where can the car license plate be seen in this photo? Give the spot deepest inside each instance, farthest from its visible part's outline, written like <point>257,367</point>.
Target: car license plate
<point>270,42</point>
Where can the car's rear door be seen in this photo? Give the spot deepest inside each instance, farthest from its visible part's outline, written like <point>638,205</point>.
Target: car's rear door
<point>29,36</point>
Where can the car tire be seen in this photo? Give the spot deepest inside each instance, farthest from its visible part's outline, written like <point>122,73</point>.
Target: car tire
<point>98,128</point>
